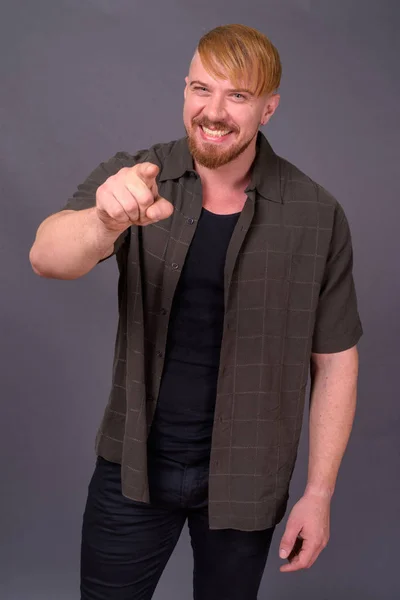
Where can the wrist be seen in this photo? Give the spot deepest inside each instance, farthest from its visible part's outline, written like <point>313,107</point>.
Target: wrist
<point>104,236</point>
<point>319,490</point>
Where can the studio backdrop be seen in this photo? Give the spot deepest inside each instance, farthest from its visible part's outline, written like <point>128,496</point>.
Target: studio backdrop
<point>83,79</point>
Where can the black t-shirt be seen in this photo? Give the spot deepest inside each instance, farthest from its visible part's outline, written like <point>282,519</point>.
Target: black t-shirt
<point>183,421</point>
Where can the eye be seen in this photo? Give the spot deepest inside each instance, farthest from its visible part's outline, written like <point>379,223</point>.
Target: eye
<point>239,96</point>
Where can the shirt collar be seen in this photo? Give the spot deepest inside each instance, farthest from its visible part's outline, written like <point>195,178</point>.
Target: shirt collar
<point>265,172</point>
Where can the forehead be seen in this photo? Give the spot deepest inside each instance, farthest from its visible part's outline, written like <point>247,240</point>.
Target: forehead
<point>197,71</point>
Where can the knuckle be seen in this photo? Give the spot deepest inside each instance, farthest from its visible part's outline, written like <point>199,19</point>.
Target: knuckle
<point>102,190</point>
<point>113,215</point>
<point>109,183</point>
<point>111,179</point>
<point>132,208</point>
<point>130,202</point>
<point>102,198</point>
<point>132,193</point>
<point>115,211</point>
<point>119,175</point>
<point>144,198</point>
<point>106,190</point>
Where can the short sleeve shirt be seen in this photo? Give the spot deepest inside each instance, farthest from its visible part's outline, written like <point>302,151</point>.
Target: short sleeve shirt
<point>288,292</point>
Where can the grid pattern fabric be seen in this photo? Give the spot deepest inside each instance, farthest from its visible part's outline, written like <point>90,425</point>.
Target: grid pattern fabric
<point>289,291</point>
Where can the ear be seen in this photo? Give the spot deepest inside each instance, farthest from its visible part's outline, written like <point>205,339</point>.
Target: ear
<point>270,107</point>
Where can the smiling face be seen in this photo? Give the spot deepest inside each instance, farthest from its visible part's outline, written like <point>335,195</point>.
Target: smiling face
<point>221,120</point>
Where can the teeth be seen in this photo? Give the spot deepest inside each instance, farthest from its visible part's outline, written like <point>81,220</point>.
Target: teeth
<point>215,133</point>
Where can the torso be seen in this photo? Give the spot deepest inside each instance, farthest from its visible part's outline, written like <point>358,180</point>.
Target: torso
<point>183,422</point>
<point>224,202</point>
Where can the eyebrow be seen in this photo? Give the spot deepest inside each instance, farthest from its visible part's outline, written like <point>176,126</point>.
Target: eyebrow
<point>247,91</point>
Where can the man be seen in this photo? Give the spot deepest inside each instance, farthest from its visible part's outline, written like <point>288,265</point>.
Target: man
<point>235,277</point>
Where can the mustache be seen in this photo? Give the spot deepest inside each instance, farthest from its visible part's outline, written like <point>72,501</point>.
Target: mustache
<point>214,124</point>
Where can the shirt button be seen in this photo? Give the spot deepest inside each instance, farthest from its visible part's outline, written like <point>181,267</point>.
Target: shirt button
<point>175,266</point>
<point>190,221</point>
<point>159,354</point>
<point>163,311</point>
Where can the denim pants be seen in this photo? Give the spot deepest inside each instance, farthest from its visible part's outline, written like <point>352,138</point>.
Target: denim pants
<point>126,544</point>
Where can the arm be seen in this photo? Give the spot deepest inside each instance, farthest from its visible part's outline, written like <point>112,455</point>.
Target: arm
<point>70,243</point>
<point>332,409</point>
<point>334,371</point>
<point>333,402</point>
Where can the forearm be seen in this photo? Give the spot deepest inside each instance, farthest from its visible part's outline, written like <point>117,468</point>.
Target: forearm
<point>332,409</point>
<point>69,244</point>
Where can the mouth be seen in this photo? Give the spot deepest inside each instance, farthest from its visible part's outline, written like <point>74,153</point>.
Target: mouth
<point>214,135</point>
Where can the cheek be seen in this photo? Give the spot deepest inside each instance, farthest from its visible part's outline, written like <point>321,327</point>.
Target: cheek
<point>250,123</point>
<point>191,110</point>
<point>194,104</point>
<point>242,118</point>
<point>186,113</point>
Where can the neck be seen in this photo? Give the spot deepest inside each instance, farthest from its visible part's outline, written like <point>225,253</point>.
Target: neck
<point>234,175</point>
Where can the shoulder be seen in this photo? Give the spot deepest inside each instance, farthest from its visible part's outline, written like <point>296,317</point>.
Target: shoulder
<point>299,187</point>
<point>156,154</point>
<point>309,203</point>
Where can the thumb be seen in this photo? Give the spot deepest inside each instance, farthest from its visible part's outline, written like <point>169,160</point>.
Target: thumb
<point>161,209</point>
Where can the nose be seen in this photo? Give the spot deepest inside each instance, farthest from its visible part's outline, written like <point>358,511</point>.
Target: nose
<point>215,108</point>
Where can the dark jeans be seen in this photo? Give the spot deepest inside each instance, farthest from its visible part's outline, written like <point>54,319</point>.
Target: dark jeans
<point>126,544</point>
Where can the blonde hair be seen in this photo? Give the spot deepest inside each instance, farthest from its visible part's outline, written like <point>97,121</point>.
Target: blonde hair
<point>241,53</point>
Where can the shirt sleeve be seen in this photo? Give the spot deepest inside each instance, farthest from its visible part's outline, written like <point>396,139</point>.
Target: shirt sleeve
<point>337,326</point>
<point>85,194</point>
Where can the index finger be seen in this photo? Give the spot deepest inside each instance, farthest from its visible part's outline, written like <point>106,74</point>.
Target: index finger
<point>147,172</point>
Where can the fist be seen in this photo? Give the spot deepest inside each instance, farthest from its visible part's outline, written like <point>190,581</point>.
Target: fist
<point>131,198</point>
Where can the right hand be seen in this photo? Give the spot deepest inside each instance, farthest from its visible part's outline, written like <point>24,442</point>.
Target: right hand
<point>130,197</point>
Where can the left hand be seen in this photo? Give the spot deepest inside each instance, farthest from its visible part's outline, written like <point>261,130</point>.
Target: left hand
<point>308,520</point>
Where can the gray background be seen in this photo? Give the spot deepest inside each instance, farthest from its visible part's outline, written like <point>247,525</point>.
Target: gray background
<point>82,79</point>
